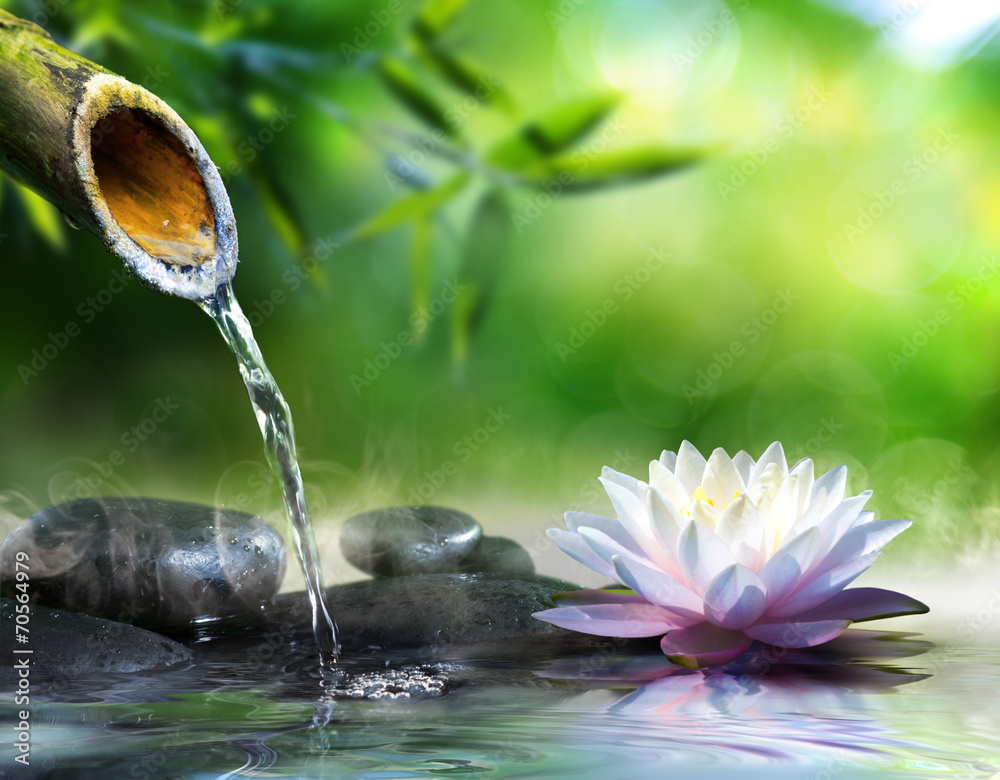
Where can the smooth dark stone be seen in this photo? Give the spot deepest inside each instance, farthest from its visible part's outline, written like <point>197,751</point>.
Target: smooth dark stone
<point>484,613</point>
<point>498,554</point>
<point>405,540</point>
<point>153,563</point>
<point>69,644</point>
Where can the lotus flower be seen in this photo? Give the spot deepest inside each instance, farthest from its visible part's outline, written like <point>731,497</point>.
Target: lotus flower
<point>716,554</point>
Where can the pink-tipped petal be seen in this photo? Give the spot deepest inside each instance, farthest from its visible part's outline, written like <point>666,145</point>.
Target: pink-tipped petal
<point>812,593</point>
<point>860,604</point>
<point>704,645</point>
<point>666,524</point>
<point>659,588</point>
<point>576,547</point>
<point>793,633</point>
<point>690,467</point>
<point>701,555</point>
<point>735,598</point>
<point>605,546</point>
<point>625,620</point>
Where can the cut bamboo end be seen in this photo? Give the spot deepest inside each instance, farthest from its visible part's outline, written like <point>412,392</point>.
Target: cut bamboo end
<point>115,159</point>
<point>158,200</point>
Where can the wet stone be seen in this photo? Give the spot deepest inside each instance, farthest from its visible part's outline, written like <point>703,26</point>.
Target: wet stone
<point>67,644</point>
<point>498,554</point>
<point>153,563</point>
<point>406,540</point>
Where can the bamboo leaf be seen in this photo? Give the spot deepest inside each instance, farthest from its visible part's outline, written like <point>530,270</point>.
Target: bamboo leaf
<point>468,78</point>
<point>435,16</point>
<point>584,170</point>
<point>44,218</point>
<point>553,132</point>
<point>405,84</point>
<point>482,262</point>
<point>413,206</point>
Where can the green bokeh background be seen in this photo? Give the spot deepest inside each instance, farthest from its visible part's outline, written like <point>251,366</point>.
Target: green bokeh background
<point>826,274</point>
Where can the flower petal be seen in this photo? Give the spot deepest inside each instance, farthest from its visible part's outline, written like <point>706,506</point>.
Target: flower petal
<point>576,547</point>
<point>860,604</point>
<point>797,633</point>
<point>735,598</point>
<point>741,529</point>
<point>832,486</point>
<point>690,467</point>
<point>702,555</point>
<point>605,546</point>
<point>813,593</point>
<point>704,645</point>
<point>669,460</point>
<point>744,464</point>
<point>835,524</point>
<point>774,454</point>
<point>666,524</point>
<point>659,588</point>
<point>610,619</point>
<point>785,568</point>
<point>705,514</point>
<point>864,539</point>
<point>613,528</point>
<point>791,498</point>
<point>666,483</point>
<point>630,508</point>
<point>721,481</point>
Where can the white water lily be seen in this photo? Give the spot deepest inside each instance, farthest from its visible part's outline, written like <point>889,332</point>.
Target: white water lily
<point>716,554</point>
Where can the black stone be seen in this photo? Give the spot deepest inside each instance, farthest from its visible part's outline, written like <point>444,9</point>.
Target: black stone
<point>498,554</point>
<point>406,540</point>
<point>67,644</point>
<point>153,563</point>
<point>486,614</point>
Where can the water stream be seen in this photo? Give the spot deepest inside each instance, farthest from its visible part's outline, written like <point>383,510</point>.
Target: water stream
<point>275,421</point>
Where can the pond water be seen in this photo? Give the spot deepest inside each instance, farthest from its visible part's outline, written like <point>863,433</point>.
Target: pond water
<point>878,704</point>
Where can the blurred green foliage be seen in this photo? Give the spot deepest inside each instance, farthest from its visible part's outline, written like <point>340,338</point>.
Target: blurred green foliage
<point>624,222</point>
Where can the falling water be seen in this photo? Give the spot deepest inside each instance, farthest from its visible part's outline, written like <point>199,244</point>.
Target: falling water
<point>275,422</point>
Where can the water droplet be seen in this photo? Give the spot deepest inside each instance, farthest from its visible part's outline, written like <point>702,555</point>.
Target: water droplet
<point>71,222</point>
<point>257,550</point>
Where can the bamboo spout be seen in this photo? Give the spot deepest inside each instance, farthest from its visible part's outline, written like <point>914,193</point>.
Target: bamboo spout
<point>115,159</point>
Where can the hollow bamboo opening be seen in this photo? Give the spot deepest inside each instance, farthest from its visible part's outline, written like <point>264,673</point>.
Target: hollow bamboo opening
<point>153,187</point>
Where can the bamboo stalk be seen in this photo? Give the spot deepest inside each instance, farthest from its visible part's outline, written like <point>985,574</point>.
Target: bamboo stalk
<point>115,159</point>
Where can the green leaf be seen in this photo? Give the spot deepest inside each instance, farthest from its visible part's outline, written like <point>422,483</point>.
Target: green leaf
<point>435,16</point>
<point>468,78</point>
<point>405,84</point>
<point>416,205</point>
<point>44,217</point>
<point>583,170</point>
<point>553,132</point>
<point>482,262</point>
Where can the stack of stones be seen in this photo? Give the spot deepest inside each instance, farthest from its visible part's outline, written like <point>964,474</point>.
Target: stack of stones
<point>401,541</point>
